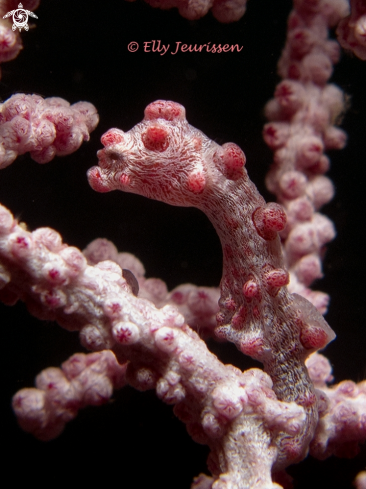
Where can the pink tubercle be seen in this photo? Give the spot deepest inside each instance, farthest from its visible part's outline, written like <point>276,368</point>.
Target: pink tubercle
<point>156,138</point>
<point>112,137</point>
<point>269,220</point>
<point>277,277</point>
<point>313,337</point>
<point>162,109</point>
<point>233,157</point>
<point>251,289</point>
<point>96,181</point>
<point>196,182</point>
<point>253,347</point>
<point>125,180</point>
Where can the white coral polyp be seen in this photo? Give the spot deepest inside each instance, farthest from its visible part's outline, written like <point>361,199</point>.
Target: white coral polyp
<point>126,333</point>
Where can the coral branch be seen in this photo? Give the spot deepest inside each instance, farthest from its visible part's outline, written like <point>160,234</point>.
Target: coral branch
<point>342,412</point>
<point>303,117</point>
<point>198,305</point>
<point>45,127</point>
<point>83,380</point>
<point>237,414</point>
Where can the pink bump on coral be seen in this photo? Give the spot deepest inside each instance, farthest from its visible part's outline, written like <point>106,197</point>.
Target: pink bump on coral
<point>161,352</point>
<point>161,109</point>
<point>155,139</point>
<point>302,118</point>
<point>342,423</point>
<point>269,220</point>
<point>59,394</point>
<point>44,127</point>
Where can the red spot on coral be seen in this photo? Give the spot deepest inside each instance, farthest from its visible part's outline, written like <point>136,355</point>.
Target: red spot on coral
<point>306,400</point>
<point>269,220</point>
<point>21,246</point>
<point>115,308</point>
<point>111,137</point>
<point>162,109</point>
<point>202,294</point>
<point>123,335</point>
<point>125,180</point>
<point>284,91</point>
<point>270,131</point>
<point>197,144</point>
<point>250,289</point>
<point>53,274</point>
<point>229,304</point>
<point>252,347</point>
<point>313,337</point>
<point>230,159</point>
<point>168,338</point>
<point>233,157</point>
<point>292,449</point>
<point>275,134</point>
<point>177,297</point>
<point>239,318</point>
<point>293,71</point>
<point>96,180</point>
<point>196,182</point>
<point>22,242</point>
<point>156,138</point>
<point>220,319</point>
<point>277,278</point>
<point>187,360</point>
<point>51,300</point>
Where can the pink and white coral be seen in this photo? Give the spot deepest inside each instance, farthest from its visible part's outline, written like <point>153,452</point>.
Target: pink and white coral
<point>45,127</point>
<point>198,305</point>
<point>303,125</point>
<point>111,217</point>
<point>342,422</point>
<point>159,350</point>
<point>83,380</point>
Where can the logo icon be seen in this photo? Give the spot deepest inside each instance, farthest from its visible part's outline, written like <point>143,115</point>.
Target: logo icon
<point>20,18</point>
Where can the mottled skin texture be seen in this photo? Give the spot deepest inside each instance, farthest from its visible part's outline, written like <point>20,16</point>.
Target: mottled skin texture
<point>166,159</point>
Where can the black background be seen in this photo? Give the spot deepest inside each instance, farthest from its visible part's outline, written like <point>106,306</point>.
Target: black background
<point>78,50</point>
